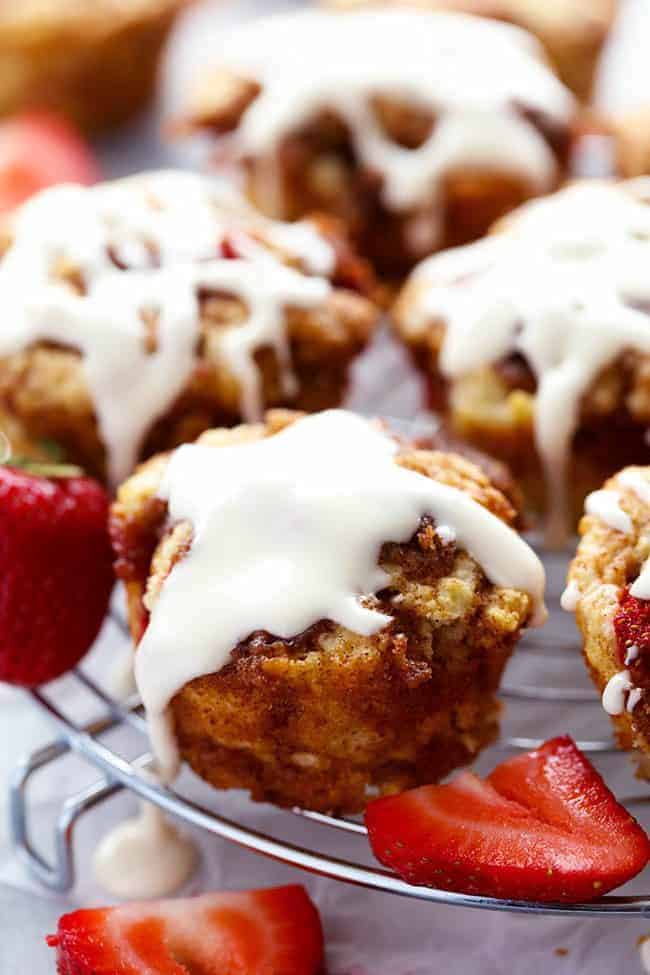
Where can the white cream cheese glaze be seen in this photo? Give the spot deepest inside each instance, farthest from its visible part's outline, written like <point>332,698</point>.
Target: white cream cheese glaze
<point>477,77</point>
<point>150,244</point>
<point>606,505</point>
<point>564,285</point>
<point>620,694</point>
<point>144,857</point>
<point>287,531</point>
<point>640,588</point>
<point>570,597</point>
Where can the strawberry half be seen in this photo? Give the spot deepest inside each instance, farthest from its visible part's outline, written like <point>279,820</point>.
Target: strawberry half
<point>543,827</point>
<point>38,149</point>
<point>56,572</point>
<point>258,932</point>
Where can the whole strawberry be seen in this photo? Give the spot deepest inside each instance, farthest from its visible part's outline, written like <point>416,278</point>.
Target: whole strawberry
<point>55,570</point>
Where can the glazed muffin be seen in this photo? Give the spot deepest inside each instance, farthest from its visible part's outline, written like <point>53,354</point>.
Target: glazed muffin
<point>609,589</point>
<point>535,342</point>
<point>140,312</point>
<point>312,626</point>
<point>94,62</point>
<point>572,31</point>
<point>417,129</point>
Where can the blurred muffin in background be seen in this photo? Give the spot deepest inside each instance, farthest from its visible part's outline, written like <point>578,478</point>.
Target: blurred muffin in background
<point>139,312</point>
<point>417,129</point>
<point>572,31</point>
<point>93,61</point>
<point>535,342</point>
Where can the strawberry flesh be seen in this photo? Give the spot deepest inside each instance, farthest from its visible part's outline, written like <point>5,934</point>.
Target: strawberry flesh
<point>542,827</point>
<point>632,628</point>
<point>259,932</point>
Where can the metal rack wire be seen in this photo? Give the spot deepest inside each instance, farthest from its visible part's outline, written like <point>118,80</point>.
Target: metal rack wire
<point>116,773</point>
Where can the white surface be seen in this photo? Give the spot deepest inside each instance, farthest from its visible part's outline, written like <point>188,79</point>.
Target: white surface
<point>367,934</point>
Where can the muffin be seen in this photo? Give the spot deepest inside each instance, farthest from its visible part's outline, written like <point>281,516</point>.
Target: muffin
<point>142,311</point>
<point>609,589</point>
<point>535,342</point>
<point>417,129</point>
<point>323,611</point>
<point>631,131</point>
<point>94,62</point>
<point>572,32</point>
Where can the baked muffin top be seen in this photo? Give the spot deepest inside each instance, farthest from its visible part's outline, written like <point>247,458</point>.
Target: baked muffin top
<point>121,272</point>
<point>482,86</point>
<point>561,285</point>
<point>276,533</point>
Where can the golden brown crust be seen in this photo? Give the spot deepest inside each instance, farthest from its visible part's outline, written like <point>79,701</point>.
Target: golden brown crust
<point>44,390</point>
<point>572,31</point>
<point>329,718</point>
<point>94,62</point>
<point>606,562</point>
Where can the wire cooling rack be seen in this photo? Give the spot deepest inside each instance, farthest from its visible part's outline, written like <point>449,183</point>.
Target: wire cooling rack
<point>552,649</point>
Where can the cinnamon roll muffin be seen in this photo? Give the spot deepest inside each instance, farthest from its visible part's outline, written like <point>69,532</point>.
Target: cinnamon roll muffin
<point>535,342</point>
<point>94,62</point>
<point>609,590</point>
<point>140,312</point>
<point>323,612</point>
<point>417,129</point>
<point>572,32</point>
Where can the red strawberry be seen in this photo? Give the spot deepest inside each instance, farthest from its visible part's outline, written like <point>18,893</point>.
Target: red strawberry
<point>38,149</point>
<point>543,826</point>
<point>56,572</point>
<point>632,629</point>
<point>258,932</point>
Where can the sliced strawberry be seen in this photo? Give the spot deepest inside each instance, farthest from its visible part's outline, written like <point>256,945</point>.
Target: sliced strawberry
<point>543,826</point>
<point>258,932</point>
<point>38,149</point>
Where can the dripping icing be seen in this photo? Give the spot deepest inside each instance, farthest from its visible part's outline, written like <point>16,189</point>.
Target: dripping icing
<point>144,857</point>
<point>570,597</point>
<point>620,694</point>
<point>470,73</point>
<point>101,230</point>
<point>606,505</point>
<point>563,285</point>
<point>299,519</point>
